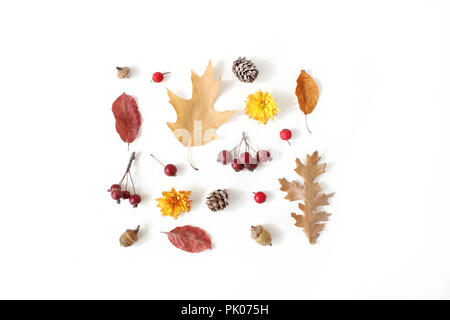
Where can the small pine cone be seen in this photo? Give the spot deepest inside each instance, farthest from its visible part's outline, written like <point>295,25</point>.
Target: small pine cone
<point>245,70</point>
<point>217,200</point>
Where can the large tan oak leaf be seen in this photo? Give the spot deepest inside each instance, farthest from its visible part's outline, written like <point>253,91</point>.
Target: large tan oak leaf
<point>196,118</point>
<point>311,195</point>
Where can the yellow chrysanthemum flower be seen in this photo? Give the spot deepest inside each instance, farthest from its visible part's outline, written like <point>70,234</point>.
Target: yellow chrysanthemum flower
<point>174,203</point>
<point>261,106</point>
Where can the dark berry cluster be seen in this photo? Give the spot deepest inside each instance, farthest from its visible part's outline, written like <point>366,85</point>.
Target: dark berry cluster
<point>120,190</point>
<point>245,160</point>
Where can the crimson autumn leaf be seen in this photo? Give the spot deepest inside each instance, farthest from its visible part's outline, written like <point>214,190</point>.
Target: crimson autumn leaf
<point>128,118</point>
<point>190,239</point>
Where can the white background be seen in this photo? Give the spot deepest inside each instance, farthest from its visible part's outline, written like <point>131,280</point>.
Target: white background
<point>381,124</point>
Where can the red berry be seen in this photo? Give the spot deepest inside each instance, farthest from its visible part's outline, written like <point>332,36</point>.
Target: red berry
<point>285,134</point>
<point>263,156</point>
<point>170,170</point>
<point>158,77</point>
<point>245,158</point>
<point>135,199</point>
<point>114,186</point>
<point>224,157</point>
<point>251,166</point>
<point>260,197</point>
<point>125,194</point>
<point>236,165</point>
<point>116,194</point>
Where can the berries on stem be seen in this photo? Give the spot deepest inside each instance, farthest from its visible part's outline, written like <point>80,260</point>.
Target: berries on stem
<point>170,169</point>
<point>248,159</point>
<point>116,189</point>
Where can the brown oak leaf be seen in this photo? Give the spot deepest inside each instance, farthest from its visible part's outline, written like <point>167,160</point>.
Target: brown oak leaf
<point>313,198</point>
<point>196,118</point>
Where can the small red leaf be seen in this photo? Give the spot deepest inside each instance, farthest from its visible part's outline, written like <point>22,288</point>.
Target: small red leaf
<point>190,239</point>
<point>128,118</point>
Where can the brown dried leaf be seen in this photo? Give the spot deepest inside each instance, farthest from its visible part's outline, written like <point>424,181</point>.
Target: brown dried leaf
<point>196,118</point>
<point>313,198</point>
<point>295,191</point>
<point>307,92</point>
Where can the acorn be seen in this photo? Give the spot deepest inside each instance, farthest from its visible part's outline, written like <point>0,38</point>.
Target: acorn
<point>261,235</point>
<point>129,237</point>
<point>123,72</point>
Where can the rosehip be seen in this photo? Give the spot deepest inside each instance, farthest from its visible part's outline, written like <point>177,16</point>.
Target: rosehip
<point>236,165</point>
<point>263,156</point>
<point>260,197</point>
<point>126,194</point>
<point>170,170</point>
<point>251,166</point>
<point>135,199</point>
<point>224,157</point>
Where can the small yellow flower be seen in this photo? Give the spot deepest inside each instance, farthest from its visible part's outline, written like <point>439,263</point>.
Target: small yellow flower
<point>261,106</point>
<point>174,203</point>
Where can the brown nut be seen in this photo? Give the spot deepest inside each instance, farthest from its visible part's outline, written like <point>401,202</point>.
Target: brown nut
<point>261,235</point>
<point>123,72</point>
<point>129,237</point>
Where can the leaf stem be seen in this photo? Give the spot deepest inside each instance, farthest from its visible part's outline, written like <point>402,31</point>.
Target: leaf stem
<point>189,155</point>
<point>306,121</point>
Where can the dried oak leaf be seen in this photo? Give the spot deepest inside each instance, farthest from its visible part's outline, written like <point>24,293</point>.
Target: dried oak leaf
<point>313,198</point>
<point>190,239</point>
<point>128,118</point>
<point>295,191</point>
<point>196,118</point>
<point>307,93</point>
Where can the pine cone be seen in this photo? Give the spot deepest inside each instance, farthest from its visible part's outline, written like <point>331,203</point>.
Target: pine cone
<point>217,200</point>
<point>245,70</point>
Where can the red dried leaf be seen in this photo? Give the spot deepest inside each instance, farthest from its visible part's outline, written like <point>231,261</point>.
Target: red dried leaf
<point>190,239</point>
<point>128,118</point>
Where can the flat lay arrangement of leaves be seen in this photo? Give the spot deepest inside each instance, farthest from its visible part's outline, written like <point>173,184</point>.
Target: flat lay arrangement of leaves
<point>195,126</point>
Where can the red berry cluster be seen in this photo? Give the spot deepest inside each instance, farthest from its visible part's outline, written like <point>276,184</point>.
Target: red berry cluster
<point>244,160</point>
<point>117,192</point>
